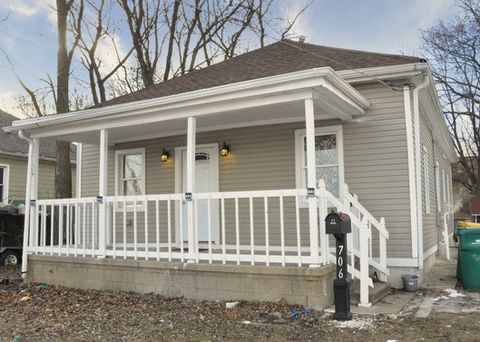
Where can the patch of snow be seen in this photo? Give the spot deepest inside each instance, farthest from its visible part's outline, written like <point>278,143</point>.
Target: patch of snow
<point>361,323</point>
<point>231,305</point>
<point>453,293</point>
<point>438,298</point>
<point>246,322</point>
<point>391,341</point>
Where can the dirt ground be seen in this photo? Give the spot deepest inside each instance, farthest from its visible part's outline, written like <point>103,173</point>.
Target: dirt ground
<point>56,313</point>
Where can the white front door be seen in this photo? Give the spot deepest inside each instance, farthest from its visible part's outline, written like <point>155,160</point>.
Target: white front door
<point>206,180</point>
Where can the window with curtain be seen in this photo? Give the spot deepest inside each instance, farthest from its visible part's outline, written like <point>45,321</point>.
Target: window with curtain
<point>329,166</point>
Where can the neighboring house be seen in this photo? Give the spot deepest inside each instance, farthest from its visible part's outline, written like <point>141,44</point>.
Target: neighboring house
<point>474,207</point>
<point>215,184</point>
<point>13,165</point>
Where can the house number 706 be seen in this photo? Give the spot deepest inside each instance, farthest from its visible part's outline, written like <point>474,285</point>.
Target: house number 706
<point>340,262</point>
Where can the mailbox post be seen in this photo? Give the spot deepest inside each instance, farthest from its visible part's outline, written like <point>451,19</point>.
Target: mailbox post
<point>339,225</point>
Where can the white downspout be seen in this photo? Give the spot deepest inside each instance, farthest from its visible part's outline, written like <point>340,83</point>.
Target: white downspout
<point>28,189</point>
<point>418,184</point>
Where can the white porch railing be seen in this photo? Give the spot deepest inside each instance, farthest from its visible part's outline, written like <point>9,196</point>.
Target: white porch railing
<point>246,227</point>
<point>367,243</point>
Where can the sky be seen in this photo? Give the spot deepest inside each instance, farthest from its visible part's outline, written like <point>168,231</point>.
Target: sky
<point>28,36</point>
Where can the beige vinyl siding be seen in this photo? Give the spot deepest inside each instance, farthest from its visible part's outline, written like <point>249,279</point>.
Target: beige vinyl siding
<point>430,229</point>
<point>444,165</point>
<point>432,233</point>
<point>263,158</point>
<point>376,165</point>
<point>18,178</point>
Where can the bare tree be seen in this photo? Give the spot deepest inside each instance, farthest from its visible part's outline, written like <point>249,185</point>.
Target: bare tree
<point>34,104</point>
<point>188,34</point>
<point>144,23</point>
<point>454,51</point>
<point>66,10</point>
<point>6,17</point>
<point>89,42</point>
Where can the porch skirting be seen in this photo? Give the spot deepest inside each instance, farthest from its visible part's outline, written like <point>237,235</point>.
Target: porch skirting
<point>311,287</point>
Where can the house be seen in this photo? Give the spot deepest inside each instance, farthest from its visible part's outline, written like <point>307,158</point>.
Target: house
<point>13,165</point>
<point>215,185</point>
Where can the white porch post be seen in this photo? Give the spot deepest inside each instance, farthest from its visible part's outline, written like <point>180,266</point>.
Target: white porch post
<point>191,143</point>
<point>311,177</point>
<point>102,192</point>
<point>78,170</point>
<point>29,230</point>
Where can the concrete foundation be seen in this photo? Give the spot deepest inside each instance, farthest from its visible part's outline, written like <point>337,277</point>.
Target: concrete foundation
<point>311,287</point>
<point>438,256</point>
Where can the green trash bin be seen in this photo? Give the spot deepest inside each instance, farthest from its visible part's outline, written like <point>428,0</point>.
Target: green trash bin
<point>468,269</point>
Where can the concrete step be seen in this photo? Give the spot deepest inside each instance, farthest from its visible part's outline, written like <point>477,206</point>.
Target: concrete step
<point>379,291</point>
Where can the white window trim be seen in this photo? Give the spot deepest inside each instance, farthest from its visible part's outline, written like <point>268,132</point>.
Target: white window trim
<point>444,187</point>
<point>324,130</point>
<point>6,181</point>
<point>118,155</point>
<point>437,186</point>
<point>426,180</point>
<point>449,204</point>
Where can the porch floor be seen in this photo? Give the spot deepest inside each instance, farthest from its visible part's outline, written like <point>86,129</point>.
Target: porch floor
<point>176,254</point>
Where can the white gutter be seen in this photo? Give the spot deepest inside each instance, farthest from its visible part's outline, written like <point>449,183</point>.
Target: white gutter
<point>418,184</point>
<point>24,137</point>
<point>388,72</point>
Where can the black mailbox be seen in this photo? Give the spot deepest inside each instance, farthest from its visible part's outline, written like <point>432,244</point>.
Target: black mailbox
<point>338,223</point>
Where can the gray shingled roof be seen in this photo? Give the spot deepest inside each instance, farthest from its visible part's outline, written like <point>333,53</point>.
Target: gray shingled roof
<point>11,143</point>
<point>278,58</point>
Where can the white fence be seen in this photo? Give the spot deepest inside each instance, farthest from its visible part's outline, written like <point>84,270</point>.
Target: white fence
<point>246,227</point>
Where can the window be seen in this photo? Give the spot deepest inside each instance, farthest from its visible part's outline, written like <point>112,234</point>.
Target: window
<point>130,172</point>
<point>444,186</point>
<point>437,186</point>
<point>4,183</point>
<point>328,154</point>
<point>426,180</point>
<point>449,202</point>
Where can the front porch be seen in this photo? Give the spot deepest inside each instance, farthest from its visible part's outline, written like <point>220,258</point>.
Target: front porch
<point>201,223</point>
<point>257,228</point>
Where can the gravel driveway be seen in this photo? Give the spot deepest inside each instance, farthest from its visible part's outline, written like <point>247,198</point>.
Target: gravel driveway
<point>56,313</point>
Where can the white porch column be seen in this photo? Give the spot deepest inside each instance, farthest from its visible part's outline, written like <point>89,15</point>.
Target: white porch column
<point>78,170</point>
<point>311,177</point>
<point>191,143</point>
<point>102,192</point>
<point>30,230</point>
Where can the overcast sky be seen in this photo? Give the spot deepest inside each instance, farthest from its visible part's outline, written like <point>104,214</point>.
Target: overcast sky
<point>29,37</point>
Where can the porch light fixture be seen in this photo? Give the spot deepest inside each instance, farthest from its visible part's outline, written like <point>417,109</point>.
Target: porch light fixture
<point>165,155</point>
<point>225,150</point>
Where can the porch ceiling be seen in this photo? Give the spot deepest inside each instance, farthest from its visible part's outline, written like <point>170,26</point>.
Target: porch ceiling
<point>275,99</point>
<point>267,115</point>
